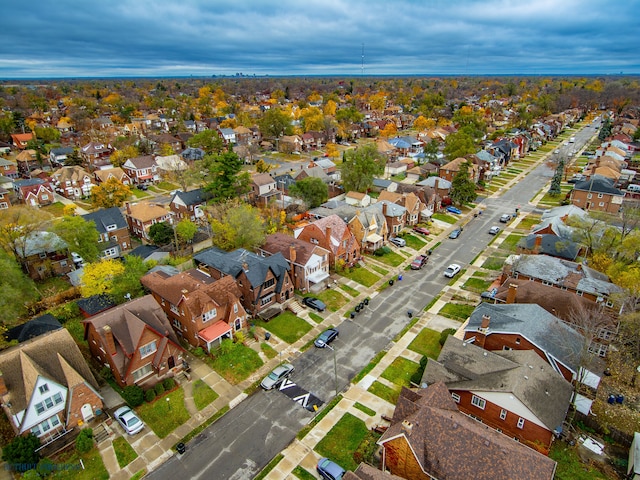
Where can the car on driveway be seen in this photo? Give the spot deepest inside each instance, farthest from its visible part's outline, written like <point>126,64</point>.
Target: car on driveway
<point>128,420</point>
<point>494,230</point>
<point>505,218</point>
<point>315,303</point>
<point>452,209</point>
<point>421,230</point>
<point>452,270</point>
<point>419,262</point>
<point>398,242</point>
<point>277,375</point>
<point>329,470</point>
<point>455,233</point>
<point>326,337</point>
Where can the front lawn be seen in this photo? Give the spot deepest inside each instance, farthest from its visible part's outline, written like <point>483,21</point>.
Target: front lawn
<point>286,326</point>
<point>164,185</point>
<point>364,276</point>
<point>414,242</point>
<point>444,218</point>
<point>510,242</point>
<point>124,452</point>
<point>92,467</point>
<point>386,393</point>
<point>493,263</point>
<point>402,372</point>
<point>427,342</point>
<point>236,364</point>
<point>340,443</point>
<point>390,258</point>
<point>528,222</point>
<point>352,291</point>
<point>163,416</point>
<point>477,285</point>
<point>56,209</point>
<point>457,311</point>
<point>203,395</point>
<point>333,299</point>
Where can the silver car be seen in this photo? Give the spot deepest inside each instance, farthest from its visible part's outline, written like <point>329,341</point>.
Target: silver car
<point>277,375</point>
<point>128,420</point>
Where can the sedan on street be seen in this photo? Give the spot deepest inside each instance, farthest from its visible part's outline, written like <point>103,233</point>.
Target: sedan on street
<point>505,218</point>
<point>494,230</point>
<point>315,303</point>
<point>277,375</point>
<point>419,262</point>
<point>452,209</point>
<point>452,270</point>
<point>455,233</point>
<point>326,337</point>
<point>129,420</point>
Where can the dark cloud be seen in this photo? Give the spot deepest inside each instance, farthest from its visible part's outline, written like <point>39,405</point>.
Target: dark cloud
<point>289,37</point>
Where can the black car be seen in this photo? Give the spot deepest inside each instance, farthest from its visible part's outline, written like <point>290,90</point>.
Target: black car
<point>326,337</point>
<point>313,302</point>
<point>142,186</point>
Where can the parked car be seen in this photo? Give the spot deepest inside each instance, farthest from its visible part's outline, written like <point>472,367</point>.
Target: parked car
<point>129,420</point>
<point>315,303</point>
<point>452,270</point>
<point>277,375</point>
<point>452,209</point>
<point>329,470</point>
<point>505,218</point>
<point>455,233</point>
<point>326,337</point>
<point>142,186</point>
<point>421,230</point>
<point>494,230</point>
<point>398,242</point>
<point>77,259</point>
<point>419,262</point>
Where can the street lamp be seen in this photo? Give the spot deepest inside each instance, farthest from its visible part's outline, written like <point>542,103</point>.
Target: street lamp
<point>169,402</point>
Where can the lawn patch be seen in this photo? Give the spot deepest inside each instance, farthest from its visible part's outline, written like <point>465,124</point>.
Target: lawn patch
<point>203,395</point>
<point>364,276</point>
<point>457,311</point>
<point>493,263</point>
<point>286,326</point>
<point>352,291</point>
<point>378,269</point>
<point>56,209</point>
<point>414,242</point>
<point>402,372</point>
<point>510,242</point>
<point>268,350</point>
<point>303,474</point>
<point>340,443</point>
<point>237,364</point>
<point>94,468</point>
<point>302,433</point>
<point>124,452</point>
<point>527,222</point>
<point>391,258</point>
<point>386,393</point>
<point>444,218</point>
<point>163,416</point>
<point>570,467</point>
<point>365,409</point>
<point>476,285</point>
<point>333,299</point>
<point>164,185</point>
<point>427,342</point>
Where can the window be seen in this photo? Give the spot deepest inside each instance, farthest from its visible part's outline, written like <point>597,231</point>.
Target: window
<point>609,303</point>
<point>141,372</point>
<point>176,324</point>
<point>270,283</point>
<point>63,263</point>
<point>147,349</point>
<point>478,402</point>
<point>111,227</point>
<point>521,422</point>
<point>601,204</point>
<point>235,308</point>
<point>589,195</point>
<point>57,398</point>
<point>598,349</point>
<point>43,388</point>
<point>206,316</point>
<point>517,341</point>
<point>600,195</point>
<point>45,197</point>
<point>503,414</point>
<point>456,397</point>
<point>266,300</point>
<point>579,293</point>
<point>174,309</point>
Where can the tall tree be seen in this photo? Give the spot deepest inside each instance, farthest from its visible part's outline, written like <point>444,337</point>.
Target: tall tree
<point>80,236</point>
<point>458,144</point>
<point>312,190</point>
<point>463,190</point>
<point>226,177</point>
<point>97,278</point>
<point>17,224</point>
<point>112,193</point>
<point>361,166</point>
<point>185,231</point>
<point>236,225</point>
<point>207,140</point>
<point>275,123</point>
<point>161,233</point>
<point>17,291</point>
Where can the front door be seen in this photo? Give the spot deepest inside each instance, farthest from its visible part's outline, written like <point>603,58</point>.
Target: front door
<point>171,361</point>
<point>87,412</point>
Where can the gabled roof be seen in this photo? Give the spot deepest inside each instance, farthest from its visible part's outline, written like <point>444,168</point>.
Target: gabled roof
<point>193,154</point>
<point>146,161</point>
<point>54,356</point>
<point>42,242</point>
<point>262,179</point>
<point>106,217</point>
<point>598,184</point>
<point>393,210</point>
<point>550,245</point>
<point>449,444</point>
<point>95,304</point>
<point>282,243</point>
<point>115,172</point>
<point>147,211</point>
<point>192,197</point>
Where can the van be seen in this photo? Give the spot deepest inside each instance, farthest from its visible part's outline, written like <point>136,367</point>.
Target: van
<point>633,188</point>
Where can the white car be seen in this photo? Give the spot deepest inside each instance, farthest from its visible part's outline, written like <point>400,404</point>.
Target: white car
<point>276,376</point>
<point>128,420</point>
<point>77,259</point>
<point>452,270</point>
<point>494,230</point>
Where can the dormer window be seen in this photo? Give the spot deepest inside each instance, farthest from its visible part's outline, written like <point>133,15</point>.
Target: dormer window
<point>206,316</point>
<point>111,227</point>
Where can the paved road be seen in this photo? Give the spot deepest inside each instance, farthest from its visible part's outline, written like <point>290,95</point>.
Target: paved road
<point>244,440</point>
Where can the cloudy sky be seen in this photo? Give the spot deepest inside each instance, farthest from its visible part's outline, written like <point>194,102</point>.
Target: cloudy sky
<point>90,38</point>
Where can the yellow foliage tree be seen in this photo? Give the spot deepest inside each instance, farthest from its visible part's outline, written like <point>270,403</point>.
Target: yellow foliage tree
<point>112,193</point>
<point>97,278</point>
<point>422,123</point>
<point>112,99</point>
<point>118,157</point>
<point>204,92</point>
<point>332,150</point>
<point>313,119</point>
<point>330,108</point>
<point>166,149</point>
<point>389,130</point>
<point>314,97</point>
<point>229,123</point>
<point>378,101</point>
<point>69,209</point>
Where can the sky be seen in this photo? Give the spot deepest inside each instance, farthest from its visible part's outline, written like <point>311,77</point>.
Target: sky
<point>145,38</point>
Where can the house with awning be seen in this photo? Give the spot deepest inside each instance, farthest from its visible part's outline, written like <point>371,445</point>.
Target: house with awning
<point>202,310</point>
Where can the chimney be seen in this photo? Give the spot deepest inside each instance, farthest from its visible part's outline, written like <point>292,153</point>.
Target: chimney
<point>437,184</point>
<point>292,253</point>
<point>128,205</point>
<point>384,208</point>
<point>3,386</point>
<point>579,267</point>
<point>407,426</point>
<point>245,266</point>
<point>485,322</point>
<point>538,243</point>
<point>511,294</point>
<point>328,234</point>
<point>108,337</point>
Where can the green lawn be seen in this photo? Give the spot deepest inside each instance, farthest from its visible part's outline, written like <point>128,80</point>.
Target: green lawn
<point>94,468</point>
<point>570,467</point>
<point>476,285</point>
<point>427,342</point>
<point>333,299</point>
<point>380,270</point>
<point>493,263</point>
<point>315,317</point>
<point>365,409</point>
<point>528,222</point>
<point>164,185</point>
<point>342,441</point>
<point>55,209</point>
<point>302,474</point>
<point>444,218</point>
<point>124,452</point>
<point>163,416</point>
<point>386,393</point>
<point>510,242</point>
<point>457,311</point>
<point>236,365</point>
<point>352,291</point>
<point>414,242</point>
<point>286,326</point>
<point>363,276</point>
<point>139,193</point>
<point>391,258</point>
<point>203,395</point>
<point>268,350</point>
<point>402,372</point>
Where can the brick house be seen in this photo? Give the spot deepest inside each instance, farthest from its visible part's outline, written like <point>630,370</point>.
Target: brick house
<point>27,161</point>
<point>451,169</point>
<point>34,192</point>
<point>105,174</point>
<point>202,310</point>
<point>112,228</point>
<point>96,154</point>
<point>72,182</point>
<point>5,198</point>
<point>140,216</point>
<point>513,391</point>
<point>308,263</point>
<point>264,281</point>
<point>20,140</point>
<point>333,234</point>
<point>8,168</point>
<point>429,438</point>
<point>136,341</point>
<point>409,201</point>
<point>597,193</point>
<point>43,255</point>
<point>46,387</point>
<point>142,169</point>
<point>264,189</point>
<point>369,227</point>
<point>189,205</point>
<point>395,216</point>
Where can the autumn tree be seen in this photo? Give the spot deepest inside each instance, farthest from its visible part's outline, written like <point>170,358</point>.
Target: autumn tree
<point>112,193</point>
<point>226,177</point>
<point>332,150</point>
<point>17,224</point>
<point>79,235</point>
<point>17,290</point>
<point>312,119</point>
<point>275,123</point>
<point>263,167</point>
<point>312,190</point>
<point>236,225</point>
<point>389,130</point>
<point>422,123</point>
<point>47,134</point>
<point>185,231</point>
<point>361,166</point>
<point>97,278</point>
<point>463,190</point>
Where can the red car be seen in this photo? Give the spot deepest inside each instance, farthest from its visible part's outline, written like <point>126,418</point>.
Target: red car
<point>421,230</point>
<point>419,262</point>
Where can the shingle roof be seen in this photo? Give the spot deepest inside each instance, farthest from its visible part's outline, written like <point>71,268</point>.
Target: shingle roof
<point>551,245</point>
<point>33,328</point>
<point>106,217</point>
<point>282,243</point>
<point>192,197</point>
<point>39,242</point>
<point>598,184</point>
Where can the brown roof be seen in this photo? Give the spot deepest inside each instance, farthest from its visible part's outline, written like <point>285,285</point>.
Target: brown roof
<point>449,444</point>
<point>367,472</point>
<point>146,211</point>
<point>71,173</point>
<point>54,355</point>
<point>146,161</point>
<point>281,242</point>
<point>262,179</point>
<point>116,172</point>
